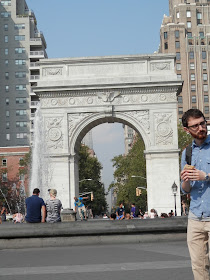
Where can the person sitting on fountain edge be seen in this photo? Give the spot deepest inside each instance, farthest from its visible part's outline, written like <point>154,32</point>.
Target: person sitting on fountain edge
<point>35,208</point>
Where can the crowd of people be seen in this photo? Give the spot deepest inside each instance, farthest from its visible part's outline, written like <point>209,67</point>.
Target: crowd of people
<point>135,212</point>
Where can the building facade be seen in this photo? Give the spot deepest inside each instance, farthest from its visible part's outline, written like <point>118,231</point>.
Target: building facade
<point>22,46</point>
<point>186,33</point>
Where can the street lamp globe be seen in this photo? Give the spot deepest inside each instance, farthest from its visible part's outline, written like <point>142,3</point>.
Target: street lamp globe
<point>174,188</point>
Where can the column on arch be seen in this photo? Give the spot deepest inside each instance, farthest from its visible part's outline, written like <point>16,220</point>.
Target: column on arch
<point>162,172</point>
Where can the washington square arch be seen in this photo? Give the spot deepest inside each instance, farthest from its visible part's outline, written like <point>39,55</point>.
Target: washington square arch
<point>77,94</point>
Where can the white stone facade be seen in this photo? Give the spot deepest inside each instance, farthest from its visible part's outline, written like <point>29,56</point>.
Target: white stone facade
<point>78,94</point>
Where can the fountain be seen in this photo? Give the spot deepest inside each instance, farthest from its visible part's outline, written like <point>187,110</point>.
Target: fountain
<point>41,171</point>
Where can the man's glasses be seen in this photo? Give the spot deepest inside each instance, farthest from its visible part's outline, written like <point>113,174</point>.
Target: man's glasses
<point>196,126</point>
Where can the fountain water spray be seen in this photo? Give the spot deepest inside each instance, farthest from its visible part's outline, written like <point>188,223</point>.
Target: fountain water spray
<point>41,173</point>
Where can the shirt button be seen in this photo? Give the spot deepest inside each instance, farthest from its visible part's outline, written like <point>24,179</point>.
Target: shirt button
<point>202,201</point>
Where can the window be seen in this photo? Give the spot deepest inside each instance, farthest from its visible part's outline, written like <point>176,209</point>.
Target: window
<point>192,77</point>
<point>206,98</point>
<point>188,14</point>
<point>6,27</point>
<point>4,162</point>
<point>7,113</point>
<point>201,34</point>
<point>6,3</point>
<point>189,34</point>
<point>19,37</point>
<point>20,50</point>
<point>180,110</point>
<point>20,26</point>
<point>176,33</point>
<point>177,45</point>
<point>193,99</point>
<point>178,66</point>
<point>165,46</point>
<point>199,15</point>
<point>178,56</point>
<point>205,88</point>
<point>8,136</point>
<point>6,14</point>
<point>6,62</point>
<point>165,34</point>
<point>20,112</point>
<point>205,78</point>
<point>20,62</point>
<point>7,125</point>
<point>177,15</point>
<point>21,177</point>
<point>21,135</point>
<point>206,109</point>
<point>191,55</point>
<point>20,74</point>
<point>21,124</point>
<point>6,39</point>
<point>21,100</point>
<point>6,51</point>
<point>6,88</point>
<point>4,177</point>
<point>7,75</point>
<point>7,101</point>
<point>203,54</point>
<point>204,65</point>
<point>20,87</point>
<point>189,24</point>
<point>192,87</point>
<point>179,77</point>
<point>180,101</point>
<point>192,66</point>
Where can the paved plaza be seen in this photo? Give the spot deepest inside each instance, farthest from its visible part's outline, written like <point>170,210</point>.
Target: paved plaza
<point>148,261</point>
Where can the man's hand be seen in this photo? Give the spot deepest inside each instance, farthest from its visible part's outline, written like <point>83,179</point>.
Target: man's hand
<point>193,175</point>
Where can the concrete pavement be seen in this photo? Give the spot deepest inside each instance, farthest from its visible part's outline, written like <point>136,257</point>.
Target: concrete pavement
<point>146,261</point>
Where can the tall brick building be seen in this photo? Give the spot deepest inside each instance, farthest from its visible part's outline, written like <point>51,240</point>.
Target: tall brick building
<point>186,33</point>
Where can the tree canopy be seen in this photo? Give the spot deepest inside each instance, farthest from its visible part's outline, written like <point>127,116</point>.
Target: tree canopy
<point>90,168</point>
<point>125,166</point>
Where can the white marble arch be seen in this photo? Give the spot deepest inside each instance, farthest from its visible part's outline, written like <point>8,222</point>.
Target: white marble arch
<point>78,94</point>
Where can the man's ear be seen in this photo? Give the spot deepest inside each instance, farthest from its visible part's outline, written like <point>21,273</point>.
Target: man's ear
<point>186,130</point>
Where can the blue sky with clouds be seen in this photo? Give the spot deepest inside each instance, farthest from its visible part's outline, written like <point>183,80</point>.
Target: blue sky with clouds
<point>80,28</point>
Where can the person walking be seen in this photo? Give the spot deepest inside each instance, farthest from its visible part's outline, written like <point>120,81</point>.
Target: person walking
<point>35,208</point>
<point>78,203</point>
<point>53,208</point>
<point>195,180</point>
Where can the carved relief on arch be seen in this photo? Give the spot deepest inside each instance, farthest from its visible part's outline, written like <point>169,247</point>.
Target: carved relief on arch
<point>54,135</point>
<point>55,71</point>
<point>163,129</point>
<point>142,117</point>
<point>75,119</point>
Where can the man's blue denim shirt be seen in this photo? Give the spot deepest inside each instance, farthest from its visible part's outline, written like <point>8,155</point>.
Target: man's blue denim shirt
<point>200,190</point>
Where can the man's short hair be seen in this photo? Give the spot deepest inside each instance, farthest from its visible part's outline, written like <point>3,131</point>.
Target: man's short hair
<point>36,191</point>
<point>191,113</point>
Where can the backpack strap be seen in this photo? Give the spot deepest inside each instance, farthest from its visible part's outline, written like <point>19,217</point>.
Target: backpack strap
<point>188,154</point>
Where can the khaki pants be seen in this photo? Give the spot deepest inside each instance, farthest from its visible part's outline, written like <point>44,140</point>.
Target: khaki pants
<point>197,239</point>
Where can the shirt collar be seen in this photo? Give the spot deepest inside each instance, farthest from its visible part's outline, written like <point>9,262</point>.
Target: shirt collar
<point>207,141</point>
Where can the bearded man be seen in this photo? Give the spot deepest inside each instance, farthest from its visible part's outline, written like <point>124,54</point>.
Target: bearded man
<point>195,180</point>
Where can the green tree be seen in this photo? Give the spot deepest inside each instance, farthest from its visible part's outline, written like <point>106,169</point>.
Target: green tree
<point>126,166</point>
<point>90,168</point>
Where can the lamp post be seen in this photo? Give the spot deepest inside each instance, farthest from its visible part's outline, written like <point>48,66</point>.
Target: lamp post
<point>174,190</point>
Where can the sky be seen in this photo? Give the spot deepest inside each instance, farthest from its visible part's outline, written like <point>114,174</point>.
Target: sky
<point>81,28</point>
